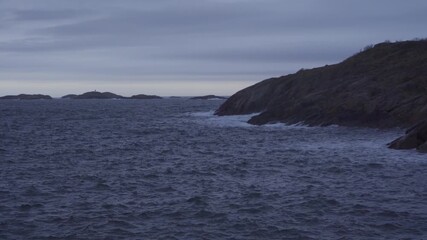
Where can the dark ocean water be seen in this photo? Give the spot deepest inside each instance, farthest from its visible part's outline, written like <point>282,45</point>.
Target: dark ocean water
<point>169,169</point>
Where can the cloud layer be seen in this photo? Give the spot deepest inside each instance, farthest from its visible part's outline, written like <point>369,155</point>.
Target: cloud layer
<point>215,43</point>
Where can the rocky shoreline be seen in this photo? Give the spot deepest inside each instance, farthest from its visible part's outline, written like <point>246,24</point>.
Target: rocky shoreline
<point>414,138</point>
<point>384,86</point>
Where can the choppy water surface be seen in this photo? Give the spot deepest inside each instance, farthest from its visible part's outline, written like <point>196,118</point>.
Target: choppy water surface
<point>168,169</point>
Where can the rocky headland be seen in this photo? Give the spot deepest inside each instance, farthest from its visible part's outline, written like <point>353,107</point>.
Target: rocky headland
<point>26,97</point>
<point>208,97</point>
<point>382,86</point>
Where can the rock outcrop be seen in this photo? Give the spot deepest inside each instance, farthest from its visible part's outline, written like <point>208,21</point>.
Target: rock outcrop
<point>383,86</point>
<point>26,97</point>
<point>208,97</point>
<point>416,137</point>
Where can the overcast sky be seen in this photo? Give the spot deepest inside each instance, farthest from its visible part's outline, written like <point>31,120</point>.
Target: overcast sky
<point>186,47</point>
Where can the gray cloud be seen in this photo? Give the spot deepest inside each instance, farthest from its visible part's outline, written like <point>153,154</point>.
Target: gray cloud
<point>48,15</point>
<point>228,38</point>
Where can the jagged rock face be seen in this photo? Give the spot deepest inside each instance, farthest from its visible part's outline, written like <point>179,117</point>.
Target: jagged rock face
<point>249,100</point>
<point>384,86</point>
<point>416,137</point>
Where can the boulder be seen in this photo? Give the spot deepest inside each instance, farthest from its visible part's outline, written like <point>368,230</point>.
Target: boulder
<point>422,148</point>
<point>415,138</point>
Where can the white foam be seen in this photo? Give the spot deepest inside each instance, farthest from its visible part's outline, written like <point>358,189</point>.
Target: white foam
<point>223,121</point>
<point>241,121</point>
<point>202,114</point>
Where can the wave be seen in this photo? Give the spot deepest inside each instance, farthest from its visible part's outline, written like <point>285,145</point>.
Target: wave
<point>223,121</point>
<point>241,121</point>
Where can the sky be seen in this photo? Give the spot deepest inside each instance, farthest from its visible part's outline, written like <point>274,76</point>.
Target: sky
<point>186,47</point>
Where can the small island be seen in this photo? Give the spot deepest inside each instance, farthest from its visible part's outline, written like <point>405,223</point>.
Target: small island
<point>107,95</point>
<point>143,96</point>
<point>26,97</point>
<point>69,96</point>
<point>208,97</point>
<point>94,95</point>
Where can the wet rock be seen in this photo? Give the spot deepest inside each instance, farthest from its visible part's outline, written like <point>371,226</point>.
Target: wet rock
<point>422,148</point>
<point>416,137</point>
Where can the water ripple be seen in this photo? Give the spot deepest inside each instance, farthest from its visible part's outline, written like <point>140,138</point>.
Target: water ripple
<point>169,169</point>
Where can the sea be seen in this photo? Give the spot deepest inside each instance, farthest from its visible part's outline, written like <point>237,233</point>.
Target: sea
<point>171,169</point>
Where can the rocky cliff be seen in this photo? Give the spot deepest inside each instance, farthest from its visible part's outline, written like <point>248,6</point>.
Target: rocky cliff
<point>383,86</point>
